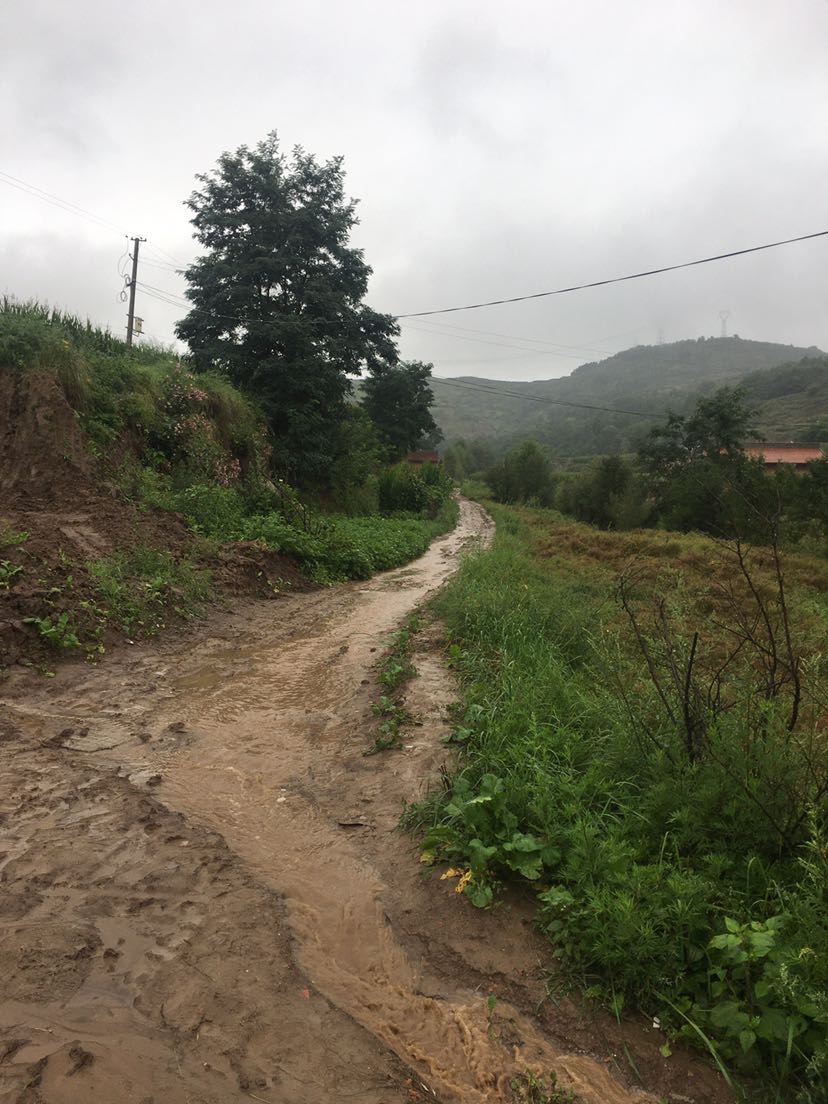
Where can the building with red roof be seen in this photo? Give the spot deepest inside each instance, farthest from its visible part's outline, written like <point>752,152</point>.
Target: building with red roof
<point>423,456</point>
<point>798,456</point>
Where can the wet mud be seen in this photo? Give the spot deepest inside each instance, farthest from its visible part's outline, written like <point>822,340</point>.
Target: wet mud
<point>206,897</point>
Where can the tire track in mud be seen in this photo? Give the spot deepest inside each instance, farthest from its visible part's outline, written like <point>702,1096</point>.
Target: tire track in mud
<point>257,734</point>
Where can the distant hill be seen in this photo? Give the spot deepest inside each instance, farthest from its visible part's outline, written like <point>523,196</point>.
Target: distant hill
<point>788,383</point>
<point>792,400</point>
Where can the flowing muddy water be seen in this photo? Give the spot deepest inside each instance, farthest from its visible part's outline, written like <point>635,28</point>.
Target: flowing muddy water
<point>257,733</point>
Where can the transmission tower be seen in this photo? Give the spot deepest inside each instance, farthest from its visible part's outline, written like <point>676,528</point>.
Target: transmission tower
<point>723,316</point>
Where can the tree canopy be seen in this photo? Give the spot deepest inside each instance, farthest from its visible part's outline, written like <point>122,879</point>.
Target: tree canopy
<point>277,296</point>
<point>523,475</point>
<point>398,399</point>
<point>699,474</point>
<point>717,429</point>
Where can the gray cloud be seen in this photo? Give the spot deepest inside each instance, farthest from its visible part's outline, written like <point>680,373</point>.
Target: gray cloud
<point>494,155</point>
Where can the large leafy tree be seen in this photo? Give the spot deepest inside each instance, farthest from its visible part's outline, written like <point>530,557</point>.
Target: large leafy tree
<point>277,296</point>
<point>523,475</point>
<point>398,398</point>
<point>716,430</point>
<point>699,474</point>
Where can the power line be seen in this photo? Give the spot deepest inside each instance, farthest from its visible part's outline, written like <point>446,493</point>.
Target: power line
<point>164,291</point>
<point>498,391</point>
<point>617,279</point>
<point>164,253</point>
<point>159,298</point>
<point>506,345</point>
<point>160,295</point>
<point>163,266</point>
<point>153,293</point>
<point>541,398</point>
<point>443,329</point>
<point>460,384</point>
<point>124,256</point>
<point>56,201</point>
<point>172,300</point>
<point>74,208</point>
<point>81,212</point>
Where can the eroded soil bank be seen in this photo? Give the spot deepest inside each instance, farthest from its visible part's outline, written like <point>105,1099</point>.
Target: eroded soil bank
<point>205,898</point>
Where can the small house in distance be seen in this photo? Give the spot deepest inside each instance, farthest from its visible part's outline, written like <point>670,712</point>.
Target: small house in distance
<point>423,457</point>
<point>798,456</point>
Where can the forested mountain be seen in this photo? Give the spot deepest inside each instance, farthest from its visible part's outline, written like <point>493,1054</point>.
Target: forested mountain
<point>792,400</point>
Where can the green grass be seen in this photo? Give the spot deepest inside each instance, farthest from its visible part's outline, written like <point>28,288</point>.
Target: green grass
<point>138,588</point>
<point>476,489</point>
<point>528,1088</point>
<point>662,884</point>
<point>395,670</point>
<point>333,547</point>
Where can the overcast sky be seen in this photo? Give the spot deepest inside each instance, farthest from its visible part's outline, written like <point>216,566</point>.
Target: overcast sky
<point>496,149</point>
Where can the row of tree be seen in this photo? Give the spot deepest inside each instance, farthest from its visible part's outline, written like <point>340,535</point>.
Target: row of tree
<point>691,473</point>
<point>278,305</point>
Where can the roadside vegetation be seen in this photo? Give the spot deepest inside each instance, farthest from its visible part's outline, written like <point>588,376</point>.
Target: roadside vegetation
<point>194,449</point>
<point>644,734</point>
<point>690,473</point>
<point>395,671</point>
<point>643,744</point>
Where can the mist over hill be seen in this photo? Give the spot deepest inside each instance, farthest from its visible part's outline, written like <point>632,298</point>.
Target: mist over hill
<point>789,386</point>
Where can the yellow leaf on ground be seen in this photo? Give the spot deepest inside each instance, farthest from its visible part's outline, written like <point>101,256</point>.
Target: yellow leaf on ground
<point>452,872</point>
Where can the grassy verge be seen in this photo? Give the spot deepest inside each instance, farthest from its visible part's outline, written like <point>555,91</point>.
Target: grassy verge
<point>138,589</point>
<point>330,547</point>
<point>395,670</point>
<point>686,877</point>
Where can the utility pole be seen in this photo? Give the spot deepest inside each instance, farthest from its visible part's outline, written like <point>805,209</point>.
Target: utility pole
<point>132,284</point>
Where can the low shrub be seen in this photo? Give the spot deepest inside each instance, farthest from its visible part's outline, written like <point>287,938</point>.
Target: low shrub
<point>338,547</point>
<point>277,533</point>
<point>212,510</point>
<point>409,489</point>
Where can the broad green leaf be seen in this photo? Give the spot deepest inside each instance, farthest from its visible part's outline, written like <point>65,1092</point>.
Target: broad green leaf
<point>479,894</point>
<point>746,1039</point>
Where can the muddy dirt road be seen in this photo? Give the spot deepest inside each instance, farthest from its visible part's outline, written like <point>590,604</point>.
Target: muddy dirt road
<point>204,897</point>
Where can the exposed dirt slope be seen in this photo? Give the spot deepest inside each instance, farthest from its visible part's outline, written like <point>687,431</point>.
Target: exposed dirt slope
<point>52,490</point>
<point>209,901</point>
<point>43,458</point>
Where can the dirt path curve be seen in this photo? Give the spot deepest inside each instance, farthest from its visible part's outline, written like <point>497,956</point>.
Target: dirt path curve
<point>208,898</point>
